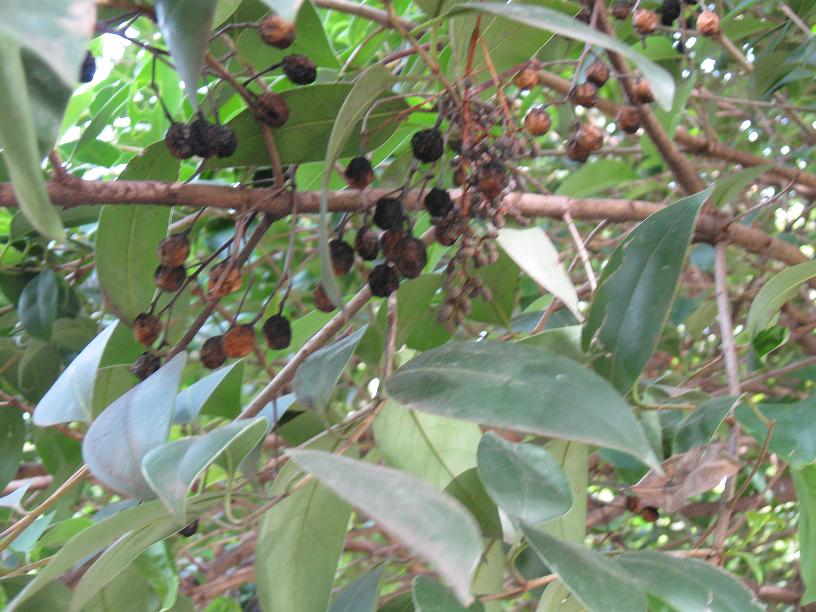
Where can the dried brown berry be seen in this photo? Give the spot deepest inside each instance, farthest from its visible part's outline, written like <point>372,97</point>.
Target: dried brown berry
<point>622,9</point>
<point>576,151</point>
<point>189,529</point>
<point>447,234</point>
<point>224,279</point>
<point>383,280</point>
<point>492,180</point>
<point>212,352</point>
<point>177,141</point>
<point>359,173</point>
<point>708,24</point>
<point>173,250</point>
<point>590,136</point>
<point>271,109</point>
<point>146,328</point>
<point>389,241</point>
<point>460,176</point>
<point>203,138</point>
<point>238,341</point>
<point>427,145</point>
<point>321,299</point>
<point>669,11</point>
<point>277,31</point>
<point>585,94</point>
<point>410,257</point>
<point>537,122</point>
<point>642,91</point>
<point>388,213</point>
<point>438,202</point>
<point>278,332</point>
<point>628,119</point>
<point>342,256</point>
<point>145,365</point>
<point>646,21</point>
<point>225,141</point>
<point>169,279</point>
<point>597,73</point>
<point>366,243</point>
<point>299,69</point>
<point>526,79</point>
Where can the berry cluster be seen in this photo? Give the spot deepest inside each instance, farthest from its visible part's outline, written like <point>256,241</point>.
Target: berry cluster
<point>200,138</point>
<point>646,21</point>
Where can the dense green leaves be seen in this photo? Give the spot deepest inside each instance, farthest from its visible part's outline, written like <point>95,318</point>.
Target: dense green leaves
<point>430,596</point>
<point>804,480</point>
<point>37,306</point>
<point>793,437</point>
<point>360,595</point>
<point>700,425</point>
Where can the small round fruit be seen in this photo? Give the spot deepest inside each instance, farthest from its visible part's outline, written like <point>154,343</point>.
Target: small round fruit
<point>708,24</point>
<point>388,213</point>
<point>203,138</point>
<point>177,141</point>
<point>526,78</point>
<point>169,279</point>
<point>238,341</point>
<point>585,94</point>
<point>225,141</point>
<point>342,256</point>
<point>383,280</point>
<point>537,121</point>
<point>646,21</point>
<point>173,250</point>
<point>389,241</point>
<point>438,202</point>
<point>622,9</point>
<point>271,109</point>
<point>277,31</point>
<point>590,136</point>
<point>597,73</point>
<point>321,299</point>
<point>299,69</point>
<point>366,243</point>
<point>628,119</point>
<point>189,529</point>
<point>145,365</point>
<point>410,257</point>
<point>575,151</point>
<point>492,180</point>
<point>447,234</point>
<point>642,91</point>
<point>427,145</point>
<point>669,11</point>
<point>146,328</point>
<point>224,279</point>
<point>88,69</point>
<point>212,352</point>
<point>359,173</point>
<point>460,176</point>
<point>278,332</point>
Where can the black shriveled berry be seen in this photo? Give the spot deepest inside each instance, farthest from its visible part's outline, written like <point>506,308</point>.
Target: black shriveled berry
<point>88,70</point>
<point>321,299</point>
<point>225,140</point>
<point>212,352</point>
<point>145,365</point>
<point>189,529</point>
<point>383,280</point>
<point>277,31</point>
<point>438,202</point>
<point>173,250</point>
<point>299,69</point>
<point>203,138</point>
<point>388,213</point>
<point>366,243</point>
<point>342,256</point>
<point>669,11</point>
<point>169,279</point>
<point>427,145</point>
<point>146,328</point>
<point>389,241</point>
<point>239,341</point>
<point>278,332</point>
<point>410,257</point>
<point>271,109</point>
<point>177,141</point>
<point>359,173</point>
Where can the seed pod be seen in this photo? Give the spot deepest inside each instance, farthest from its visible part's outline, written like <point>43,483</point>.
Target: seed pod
<point>708,24</point>
<point>359,173</point>
<point>590,136</point>
<point>597,73</point>
<point>576,151</point>
<point>628,119</point>
<point>366,243</point>
<point>321,299</point>
<point>438,202</point>
<point>427,145</point>
<point>388,213</point>
<point>145,365</point>
<point>492,180</point>
<point>642,91</point>
<point>232,279</point>
<point>537,122</point>
<point>622,9</point>
<point>173,250</point>
<point>225,141</point>
<point>585,94</point>
<point>383,280</point>
<point>146,328</point>
<point>277,31</point>
<point>212,352</point>
<point>271,109</point>
<point>389,241</point>
<point>169,279</point>
<point>238,341</point>
<point>646,21</point>
<point>189,529</point>
<point>278,332</point>
<point>669,11</point>
<point>203,138</point>
<point>410,257</point>
<point>88,69</point>
<point>342,256</point>
<point>177,141</point>
<point>299,69</point>
<point>526,79</point>
<point>447,234</point>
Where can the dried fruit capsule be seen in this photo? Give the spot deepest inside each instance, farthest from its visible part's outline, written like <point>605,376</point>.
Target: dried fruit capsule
<point>299,69</point>
<point>646,21</point>
<point>447,234</point>
<point>225,141</point>
<point>238,341</point>
<point>203,138</point>
<point>173,250</point>
<point>271,109</point>
<point>410,257</point>
<point>189,529</point>
<point>342,256</point>
<point>277,31</point>
<point>177,141</point>
<point>438,202</point>
<point>669,11</point>
<point>224,279</point>
<point>708,24</point>
<point>492,180</point>
<point>389,241</point>
<point>590,136</point>
<point>628,119</point>
<point>460,176</point>
<point>537,121</point>
<point>576,151</point>
<point>88,69</point>
<point>388,213</point>
<point>146,328</point>
<point>526,78</point>
<point>278,332</point>
<point>359,173</point>
<point>383,280</point>
<point>427,145</point>
<point>321,299</point>
<point>366,243</point>
<point>145,365</point>
<point>642,91</point>
<point>622,9</point>
<point>585,94</point>
<point>212,352</point>
<point>597,73</point>
<point>169,279</point>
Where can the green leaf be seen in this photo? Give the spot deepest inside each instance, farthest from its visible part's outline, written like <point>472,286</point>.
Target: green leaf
<point>687,584</point>
<point>316,378</point>
<point>12,438</point>
<point>699,426</point>
<point>217,394</point>
<point>728,188</point>
<point>171,470</point>
<point>432,524</point>
<point>600,583</point>
<point>773,295</point>
<point>468,489</point>
<point>794,437</point>
<point>300,541</point>
<point>524,480</point>
<point>360,595</point>
<point>103,117</point>
<point>521,388</point>
<point>37,307</point>
<point>549,20</point>
<point>433,448</point>
<point>139,421</point>
<point>636,290</point>
<point>804,481</point>
<point>431,596</point>
<point>502,279</point>
<point>185,26</point>
<point>596,176</point>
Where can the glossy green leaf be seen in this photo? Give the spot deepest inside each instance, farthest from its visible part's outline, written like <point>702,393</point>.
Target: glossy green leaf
<point>217,394</point>
<point>773,295</point>
<point>521,388</point>
<point>360,595</point>
<point>636,290</point>
<point>38,369</point>
<point>37,307</point>
<point>431,596</point>
<point>432,524</point>
<point>600,583</point>
<point>700,425</point>
<point>595,177</point>
<point>794,437</point>
<point>524,480</point>
<point>469,490</point>
<point>12,438</point>
<point>804,481</point>
<point>139,421</point>
<point>729,187</point>
<point>502,279</point>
